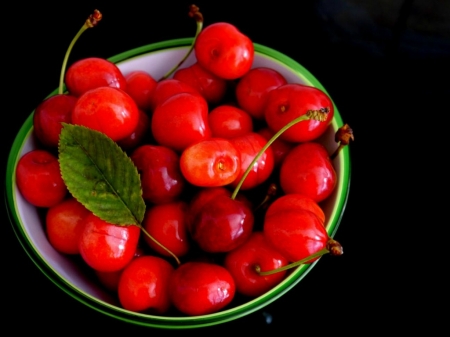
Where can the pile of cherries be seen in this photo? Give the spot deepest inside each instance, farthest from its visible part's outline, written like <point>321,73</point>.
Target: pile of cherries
<point>197,139</point>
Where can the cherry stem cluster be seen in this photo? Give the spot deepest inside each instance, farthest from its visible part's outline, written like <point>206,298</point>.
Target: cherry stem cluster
<point>333,247</point>
<point>90,22</point>
<point>319,115</point>
<point>194,12</point>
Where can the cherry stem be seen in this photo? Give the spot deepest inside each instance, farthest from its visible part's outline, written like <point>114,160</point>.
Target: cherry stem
<point>318,115</point>
<point>343,136</point>
<point>333,247</point>
<point>90,22</point>
<point>160,245</point>
<point>193,13</point>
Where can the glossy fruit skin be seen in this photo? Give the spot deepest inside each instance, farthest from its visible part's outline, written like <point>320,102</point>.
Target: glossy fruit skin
<point>210,163</point>
<point>210,86</point>
<point>144,285</point>
<point>296,234</point>
<point>107,247</point>
<point>166,223</point>
<point>253,88</point>
<point>308,170</point>
<point>241,263</point>
<point>249,145</point>
<point>167,88</point>
<point>140,86</point>
<point>292,100</point>
<point>39,180</point>
<point>93,72</point>
<point>280,147</point>
<point>139,135</point>
<point>161,178</point>
<point>64,224</point>
<point>223,50</point>
<point>108,110</point>
<point>180,121</point>
<point>49,115</point>
<point>222,224</point>
<point>293,201</point>
<point>227,121</point>
<point>200,288</point>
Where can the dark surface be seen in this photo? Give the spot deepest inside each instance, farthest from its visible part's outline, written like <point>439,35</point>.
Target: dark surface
<point>376,60</point>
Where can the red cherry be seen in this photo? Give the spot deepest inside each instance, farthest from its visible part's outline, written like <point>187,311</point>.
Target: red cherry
<point>200,288</point>
<point>249,146</point>
<point>161,178</point>
<point>241,263</point>
<point>296,234</point>
<point>222,225</point>
<point>108,110</point>
<point>139,134</point>
<point>296,201</point>
<point>39,179</point>
<point>227,121</point>
<point>210,86</point>
<point>144,285</point>
<point>290,101</point>
<point>223,50</point>
<point>253,87</point>
<point>167,88</point>
<point>180,121</point>
<point>107,247</point>
<point>93,72</point>
<point>210,163</point>
<point>49,115</point>
<point>64,224</point>
<point>167,224</point>
<point>308,170</point>
<point>140,86</point>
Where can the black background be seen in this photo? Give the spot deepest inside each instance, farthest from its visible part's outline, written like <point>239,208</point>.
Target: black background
<point>382,62</point>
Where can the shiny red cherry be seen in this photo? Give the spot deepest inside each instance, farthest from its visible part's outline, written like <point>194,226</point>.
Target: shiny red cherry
<point>227,121</point>
<point>140,86</point>
<point>200,288</point>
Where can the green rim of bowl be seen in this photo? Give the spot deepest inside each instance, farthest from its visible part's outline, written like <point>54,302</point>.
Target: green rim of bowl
<point>167,322</point>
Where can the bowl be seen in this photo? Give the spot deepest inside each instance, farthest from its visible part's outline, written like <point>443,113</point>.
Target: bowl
<point>71,277</point>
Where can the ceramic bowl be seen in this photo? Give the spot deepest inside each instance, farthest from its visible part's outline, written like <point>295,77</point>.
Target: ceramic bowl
<point>68,275</point>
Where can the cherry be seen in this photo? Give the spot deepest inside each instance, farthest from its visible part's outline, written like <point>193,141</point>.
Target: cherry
<point>180,121</point>
<point>39,180</point>
<point>290,101</point>
<point>64,224</point>
<point>308,170</point>
<point>200,288</point>
<point>210,86</point>
<point>161,178</point>
<point>222,224</point>
<point>144,285</point>
<point>296,201</point>
<point>49,115</point>
<point>253,87</point>
<point>166,223</point>
<point>107,247</point>
<point>295,233</point>
<point>249,146</point>
<point>228,121</point>
<point>108,110</point>
<point>139,135</point>
<point>210,163</point>
<point>93,72</point>
<point>223,50</point>
<point>241,263</point>
<point>166,88</point>
<point>280,147</point>
<point>140,86</point>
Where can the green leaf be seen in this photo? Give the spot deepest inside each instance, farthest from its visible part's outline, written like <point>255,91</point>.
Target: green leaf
<point>100,175</point>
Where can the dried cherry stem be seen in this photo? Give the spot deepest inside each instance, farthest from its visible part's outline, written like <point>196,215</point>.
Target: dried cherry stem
<point>333,247</point>
<point>318,115</point>
<point>90,22</point>
<point>160,245</point>
<point>343,136</point>
<point>271,192</point>
<point>194,12</point>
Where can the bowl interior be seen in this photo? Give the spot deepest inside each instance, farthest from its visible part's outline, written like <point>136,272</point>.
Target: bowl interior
<point>71,276</point>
